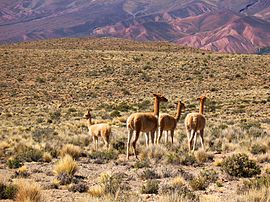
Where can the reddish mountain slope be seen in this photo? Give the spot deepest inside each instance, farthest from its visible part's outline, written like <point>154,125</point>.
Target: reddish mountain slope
<point>220,25</point>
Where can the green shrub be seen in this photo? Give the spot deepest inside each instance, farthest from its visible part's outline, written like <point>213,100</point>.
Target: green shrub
<point>180,190</point>
<point>151,187</point>
<point>30,155</point>
<point>112,183</point>
<point>141,164</point>
<point>258,149</point>
<point>239,165</point>
<point>199,183</point>
<point>7,191</point>
<point>14,162</point>
<point>149,174</point>
<point>104,156</point>
<point>119,145</point>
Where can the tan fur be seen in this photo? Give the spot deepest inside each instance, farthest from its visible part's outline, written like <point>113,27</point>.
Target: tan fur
<point>144,122</point>
<point>168,123</point>
<point>194,123</point>
<point>99,130</point>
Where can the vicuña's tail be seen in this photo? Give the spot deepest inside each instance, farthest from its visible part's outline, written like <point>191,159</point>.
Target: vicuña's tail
<point>195,122</point>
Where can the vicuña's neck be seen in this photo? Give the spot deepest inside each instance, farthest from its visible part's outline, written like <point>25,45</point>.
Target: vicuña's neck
<point>201,106</point>
<point>156,107</point>
<point>90,121</point>
<point>178,114</point>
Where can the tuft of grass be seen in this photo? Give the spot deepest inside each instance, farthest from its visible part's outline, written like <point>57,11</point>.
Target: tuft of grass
<point>47,157</point>
<point>96,191</point>
<point>28,191</point>
<point>72,150</point>
<point>66,165</point>
<point>80,187</point>
<point>104,156</point>
<point>153,152</point>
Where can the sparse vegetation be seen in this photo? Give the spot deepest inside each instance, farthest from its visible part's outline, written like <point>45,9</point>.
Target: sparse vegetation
<point>40,116</point>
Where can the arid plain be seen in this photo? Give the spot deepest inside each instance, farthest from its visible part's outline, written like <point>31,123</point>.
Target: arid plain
<point>48,86</point>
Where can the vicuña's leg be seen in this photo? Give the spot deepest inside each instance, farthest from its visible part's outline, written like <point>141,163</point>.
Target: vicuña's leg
<point>107,141</point>
<point>147,138</point>
<point>130,134</point>
<point>166,136</point>
<point>153,137</point>
<point>172,134</point>
<point>160,135</point>
<point>201,136</point>
<point>134,143</point>
<point>95,139</point>
<point>193,132</point>
<point>195,140</point>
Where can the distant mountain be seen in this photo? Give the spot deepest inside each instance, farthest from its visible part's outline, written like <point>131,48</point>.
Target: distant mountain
<point>220,25</point>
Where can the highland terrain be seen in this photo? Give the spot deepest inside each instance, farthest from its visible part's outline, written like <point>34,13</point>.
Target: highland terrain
<point>48,86</point>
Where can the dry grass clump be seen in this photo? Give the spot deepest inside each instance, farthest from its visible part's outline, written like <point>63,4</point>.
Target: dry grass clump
<point>65,169</point>
<point>261,195</point>
<point>72,150</point>
<point>47,157</point>
<point>28,191</point>
<point>202,156</point>
<point>97,191</point>
<point>156,152</point>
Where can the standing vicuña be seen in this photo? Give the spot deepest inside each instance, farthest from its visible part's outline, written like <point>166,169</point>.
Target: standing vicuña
<point>98,130</point>
<point>144,122</point>
<point>168,122</point>
<point>195,122</point>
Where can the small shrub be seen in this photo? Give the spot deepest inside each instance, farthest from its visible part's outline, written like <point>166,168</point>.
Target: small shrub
<point>258,149</point>
<point>7,191</point>
<point>28,191</point>
<point>204,179</point>
<point>30,154</point>
<point>141,164</point>
<point>66,166</point>
<point>104,156</point>
<point>119,145</point>
<point>151,187</point>
<point>80,187</point>
<point>187,159</point>
<point>14,162</point>
<point>239,165</point>
<point>149,174</point>
<point>202,156</point>
<point>198,183</point>
<point>72,150</point>
<point>178,192</point>
<point>110,182</point>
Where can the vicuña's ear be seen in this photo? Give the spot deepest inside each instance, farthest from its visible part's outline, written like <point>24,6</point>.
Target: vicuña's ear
<point>155,94</point>
<point>198,98</point>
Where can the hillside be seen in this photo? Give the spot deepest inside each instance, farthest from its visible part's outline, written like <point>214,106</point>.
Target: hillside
<point>47,86</point>
<point>224,26</point>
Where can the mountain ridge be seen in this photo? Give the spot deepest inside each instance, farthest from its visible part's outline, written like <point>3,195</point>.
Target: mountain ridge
<point>186,22</point>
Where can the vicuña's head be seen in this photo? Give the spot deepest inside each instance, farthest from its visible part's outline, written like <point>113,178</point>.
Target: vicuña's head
<point>88,114</point>
<point>201,98</point>
<point>182,105</point>
<point>161,98</point>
